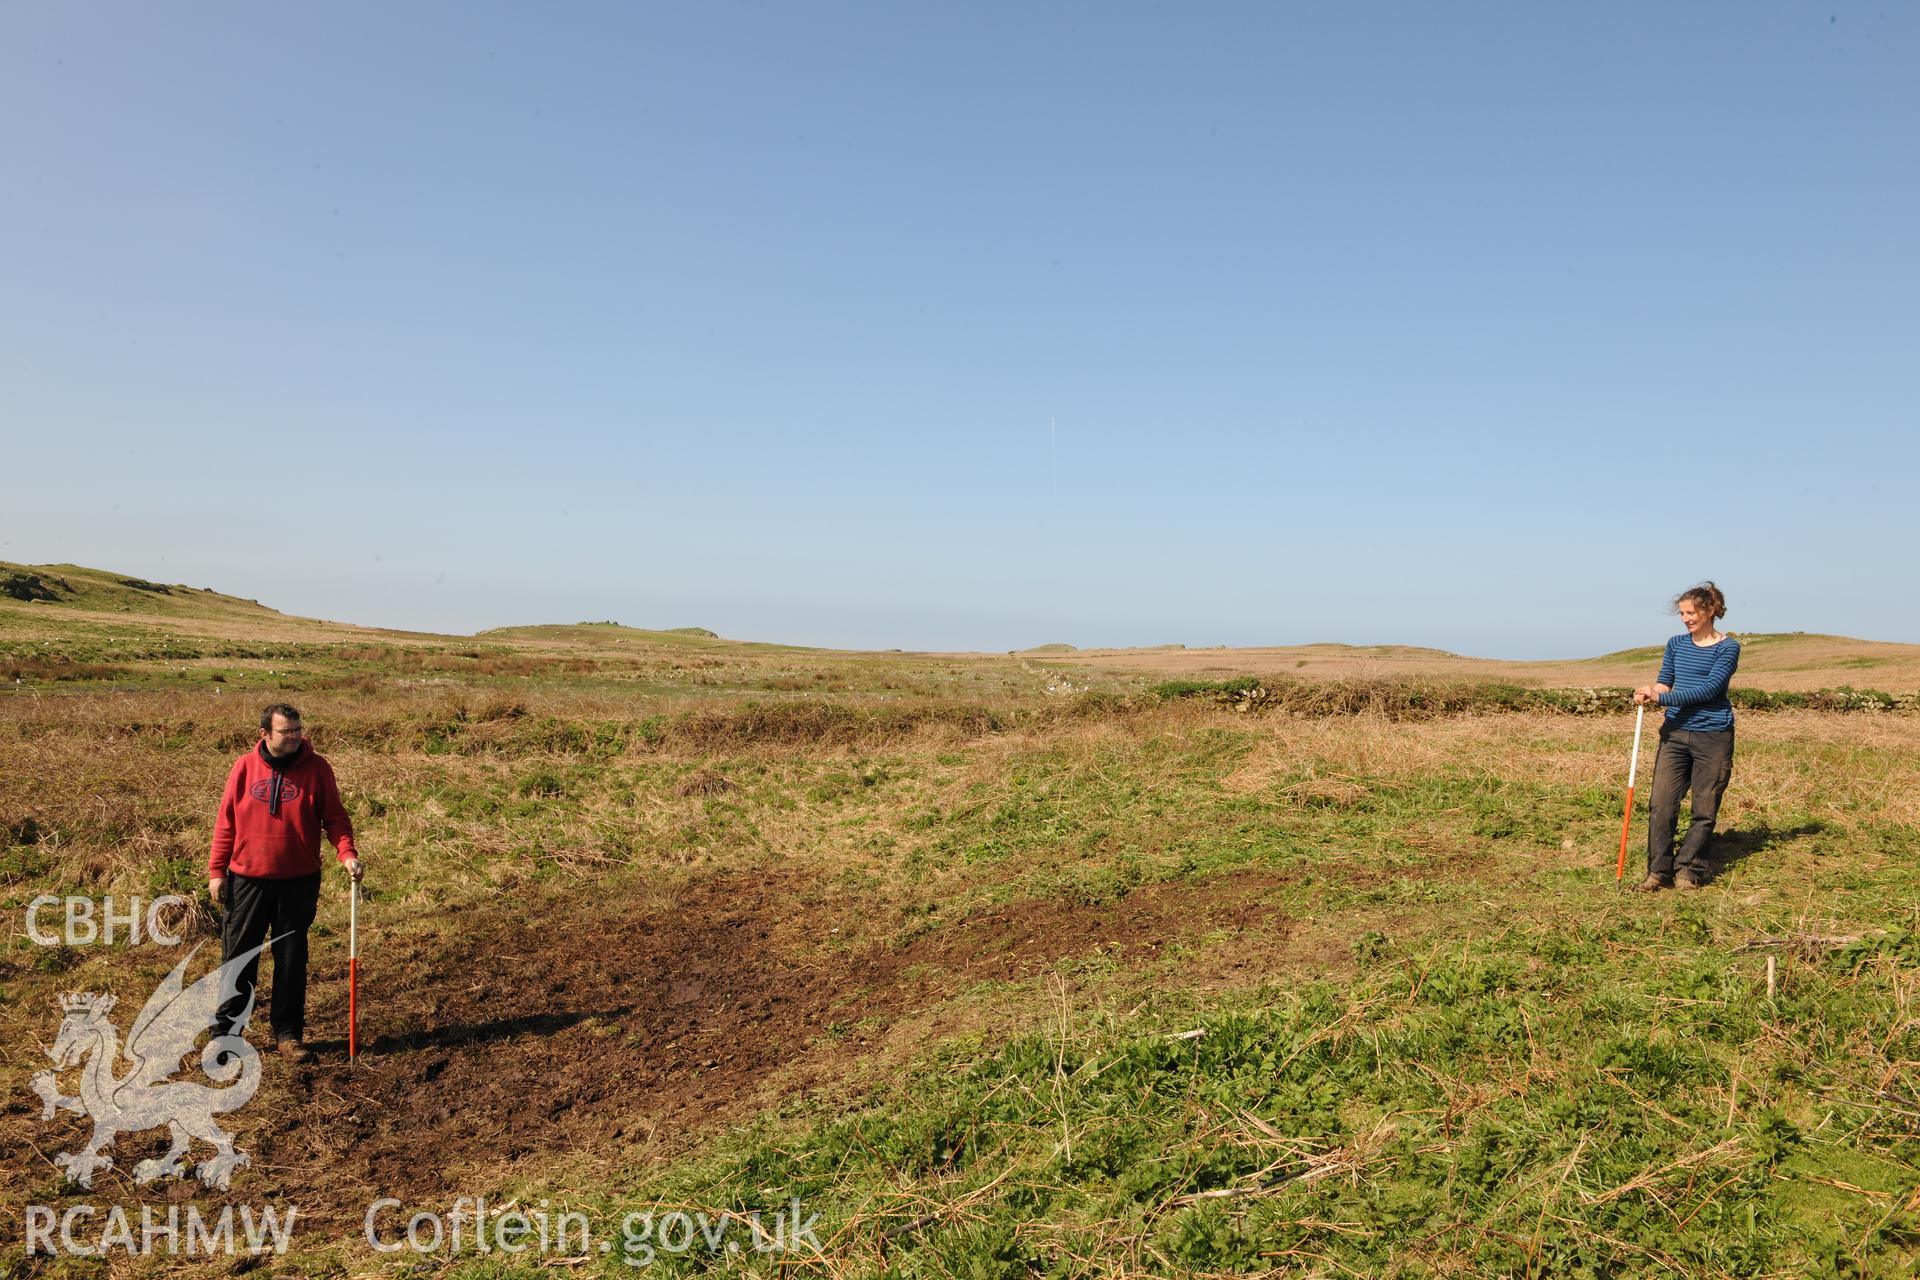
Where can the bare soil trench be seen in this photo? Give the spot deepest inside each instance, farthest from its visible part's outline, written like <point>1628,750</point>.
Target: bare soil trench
<point>585,1026</point>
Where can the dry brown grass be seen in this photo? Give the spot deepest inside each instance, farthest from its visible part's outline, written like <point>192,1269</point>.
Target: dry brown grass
<point>120,781</point>
<point>1864,762</point>
<point>703,782</point>
<point>116,785</point>
<point>853,803</point>
<point>986,815</point>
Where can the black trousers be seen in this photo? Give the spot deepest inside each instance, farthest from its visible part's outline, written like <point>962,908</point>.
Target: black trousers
<point>286,907</point>
<point>1688,760</point>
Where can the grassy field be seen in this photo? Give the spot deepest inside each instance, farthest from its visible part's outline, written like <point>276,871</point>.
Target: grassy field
<point>1002,965</point>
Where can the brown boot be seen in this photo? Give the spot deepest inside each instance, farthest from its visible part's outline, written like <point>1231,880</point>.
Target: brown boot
<point>293,1051</point>
<point>1687,880</point>
<point>1652,884</point>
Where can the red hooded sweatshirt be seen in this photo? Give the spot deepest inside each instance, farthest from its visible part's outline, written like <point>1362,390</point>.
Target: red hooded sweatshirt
<point>273,833</point>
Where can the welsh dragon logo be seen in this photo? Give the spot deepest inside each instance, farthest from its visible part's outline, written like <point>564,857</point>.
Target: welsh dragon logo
<point>146,1096</point>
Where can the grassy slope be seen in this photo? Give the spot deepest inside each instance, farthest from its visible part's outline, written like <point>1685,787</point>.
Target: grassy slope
<point>1447,1047</point>
<point>77,587</point>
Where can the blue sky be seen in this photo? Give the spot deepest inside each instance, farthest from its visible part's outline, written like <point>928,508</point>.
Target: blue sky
<point>1487,327</point>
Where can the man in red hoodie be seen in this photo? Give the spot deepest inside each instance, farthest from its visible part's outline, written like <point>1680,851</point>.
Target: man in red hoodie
<point>265,865</point>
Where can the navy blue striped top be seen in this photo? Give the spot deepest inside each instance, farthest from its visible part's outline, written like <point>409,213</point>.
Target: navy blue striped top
<point>1697,677</point>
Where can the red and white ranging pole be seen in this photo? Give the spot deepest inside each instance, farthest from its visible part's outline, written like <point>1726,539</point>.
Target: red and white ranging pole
<point>1626,819</point>
<point>354,973</point>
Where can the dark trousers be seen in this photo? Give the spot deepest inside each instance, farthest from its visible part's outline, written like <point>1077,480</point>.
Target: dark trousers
<point>1688,760</point>
<point>286,907</point>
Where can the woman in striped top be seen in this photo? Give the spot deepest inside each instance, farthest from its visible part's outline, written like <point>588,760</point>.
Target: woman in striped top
<point>1696,739</point>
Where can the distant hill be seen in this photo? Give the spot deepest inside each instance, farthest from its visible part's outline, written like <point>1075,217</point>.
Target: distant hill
<point>598,633</point>
<point>51,604</point>
<point>77,587</point>
<point>1783,662</point>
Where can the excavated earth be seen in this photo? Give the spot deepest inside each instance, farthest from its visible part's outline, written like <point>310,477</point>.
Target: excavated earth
<point>584,1029</point>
